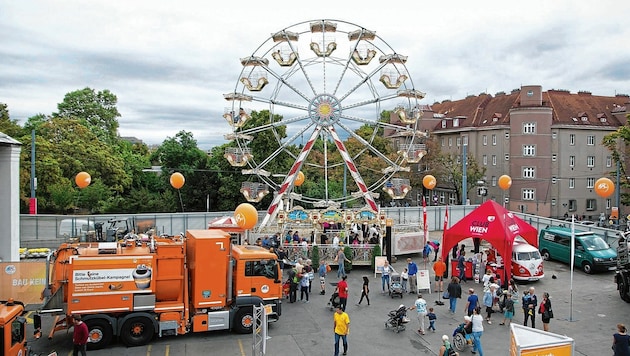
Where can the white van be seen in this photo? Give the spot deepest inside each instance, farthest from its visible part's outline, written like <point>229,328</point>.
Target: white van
<point>527,263</point>
<point>74,228</point>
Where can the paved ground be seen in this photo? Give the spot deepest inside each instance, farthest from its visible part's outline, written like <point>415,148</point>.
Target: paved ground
<point>588,313</point>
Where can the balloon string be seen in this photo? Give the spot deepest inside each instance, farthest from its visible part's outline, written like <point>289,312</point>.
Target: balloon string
<point>180,199</point>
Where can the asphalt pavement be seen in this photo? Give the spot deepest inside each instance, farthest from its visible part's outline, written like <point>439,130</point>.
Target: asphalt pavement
<point>586,309</point>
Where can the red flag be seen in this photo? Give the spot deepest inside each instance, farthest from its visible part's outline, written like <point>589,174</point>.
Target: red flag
<point>425,223</point>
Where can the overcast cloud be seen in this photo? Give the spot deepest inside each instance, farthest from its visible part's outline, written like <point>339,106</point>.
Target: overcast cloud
<point>169,63</point>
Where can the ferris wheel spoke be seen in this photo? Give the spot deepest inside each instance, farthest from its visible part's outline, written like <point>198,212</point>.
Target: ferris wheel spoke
<point>371,148</point>
<point>354,172</point>
<point>284,145</point>
<point>287,184</point>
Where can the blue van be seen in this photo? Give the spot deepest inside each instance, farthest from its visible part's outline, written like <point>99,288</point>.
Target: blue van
<point>592,252</point>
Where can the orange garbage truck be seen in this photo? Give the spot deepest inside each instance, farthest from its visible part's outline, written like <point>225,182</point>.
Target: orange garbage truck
<point>13,328</point>
<point>135,290</point>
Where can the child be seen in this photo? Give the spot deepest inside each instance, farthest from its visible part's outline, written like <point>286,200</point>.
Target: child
<point>404,276</point>
<point>509,310</point>
<point>432,317</point>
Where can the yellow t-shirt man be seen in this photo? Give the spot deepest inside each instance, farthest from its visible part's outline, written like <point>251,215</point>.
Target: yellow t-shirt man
<point>342,322</point>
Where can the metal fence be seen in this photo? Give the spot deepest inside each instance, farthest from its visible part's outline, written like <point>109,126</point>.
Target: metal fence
<point>46,230</point>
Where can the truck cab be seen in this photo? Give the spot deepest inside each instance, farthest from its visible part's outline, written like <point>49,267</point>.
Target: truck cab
<point>13,329</point>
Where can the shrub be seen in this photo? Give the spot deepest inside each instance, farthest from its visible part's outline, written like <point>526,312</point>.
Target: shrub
<point>376,251</point>
<point>348,252</point>
<point>315,256</point>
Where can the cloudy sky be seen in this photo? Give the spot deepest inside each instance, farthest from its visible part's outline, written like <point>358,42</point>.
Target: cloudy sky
<point>169,63</point>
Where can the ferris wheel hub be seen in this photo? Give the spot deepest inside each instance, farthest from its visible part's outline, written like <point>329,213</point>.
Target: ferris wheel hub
<point>325,109</point>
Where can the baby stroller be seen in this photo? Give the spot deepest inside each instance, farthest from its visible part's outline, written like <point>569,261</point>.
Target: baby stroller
<point>397,319</point>
<point>462,336</point>
<point>395,285</point>
<point>334,301</point>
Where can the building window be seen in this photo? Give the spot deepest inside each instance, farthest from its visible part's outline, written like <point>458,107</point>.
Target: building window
<point>572,205</point>
<point>458,141</point>
<point>591,204</point>
<point>507,135</point>
<point>554,135</point>
<point>455,122</point>
<point>554,157</point>
<point>494,160</point>
<point>450,141</point>
<point>572,139</point>
<point>493,181</point>
<point>571,183</point>
<point>443,124</point>
<point>590,182</point>
<point>553,201</point>
<point>507,156</point>
<point>529,128</point>
<point>485,160</point>
<point>484,139</point>
<point>443,140</point>
<point>608,161</point>
<point>590,140</point>
<point>529,150</point>
<point>590,161</point>
<point>465,140</point>
<point>529,172</point>
<point>529,194</point>
<point>494,139</point>
<point>571,161</point>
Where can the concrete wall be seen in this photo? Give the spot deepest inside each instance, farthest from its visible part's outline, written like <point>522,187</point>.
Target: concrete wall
<point>9,199</point>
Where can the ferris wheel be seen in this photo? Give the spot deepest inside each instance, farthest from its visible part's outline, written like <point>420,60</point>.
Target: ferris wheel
<point>325,84</point>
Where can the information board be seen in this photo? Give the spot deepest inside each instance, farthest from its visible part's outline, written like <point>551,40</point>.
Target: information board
<point>423,280</point>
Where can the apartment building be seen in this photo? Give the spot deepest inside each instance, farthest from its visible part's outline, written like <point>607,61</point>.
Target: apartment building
<point>548,142</point>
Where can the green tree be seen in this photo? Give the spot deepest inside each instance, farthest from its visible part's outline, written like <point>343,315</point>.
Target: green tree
<point>449,169</point>
<point>8,126</point>
<point>97,109</point>
<point>618,143</point>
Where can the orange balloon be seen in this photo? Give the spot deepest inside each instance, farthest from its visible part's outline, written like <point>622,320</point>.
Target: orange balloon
<point>177,180</point>
<point>505,182</point>
<point>299,179</point>
<point>83,179</point>
<point>429,181</point>
<point>246,216</point>
<point>604,187</point>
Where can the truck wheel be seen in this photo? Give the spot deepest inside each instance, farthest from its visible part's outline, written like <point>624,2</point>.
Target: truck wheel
<point>545,255</point>
<point>623,289</point>
<point>137,331</point>
<point>244,320</point>
<point>99,334</point>
<point>587,268</point>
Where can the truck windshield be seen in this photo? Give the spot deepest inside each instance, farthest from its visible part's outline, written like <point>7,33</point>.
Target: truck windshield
<point>594,243</point>
<point>262,268</point>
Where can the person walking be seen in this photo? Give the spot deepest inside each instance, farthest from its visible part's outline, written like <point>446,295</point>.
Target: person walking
<point>530,301</point>
<point>322,270</point>
<point>488,297</point>
<point>508,312</point>
<point>545,311</point>
<point>341,325</point>
<point>304,283</point>
<point>432,318</point>
<point>79,336</point>
<point>412,271</point>
<point>439,267</point>
<point>387,270</point>
<point>341,260</point>
<point>421,307</point>
<point>365,290</point>
<point>473,302</point>
<point>621,342</point>
<point>342,291</point>
<point>461,265</point>
<point>454,290</point>
<point>477,331</point>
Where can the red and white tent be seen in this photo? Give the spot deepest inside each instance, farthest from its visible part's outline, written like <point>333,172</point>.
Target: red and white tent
<point>495,224</point>
<point>226,223</point>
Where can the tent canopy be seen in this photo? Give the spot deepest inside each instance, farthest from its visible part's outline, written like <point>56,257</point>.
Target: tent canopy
<point>495,224</point>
